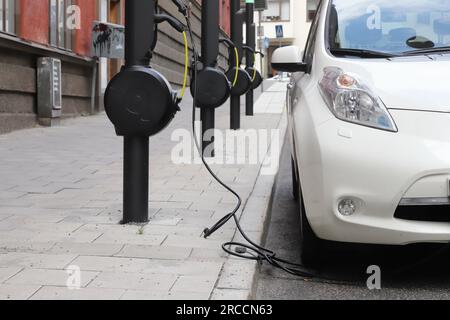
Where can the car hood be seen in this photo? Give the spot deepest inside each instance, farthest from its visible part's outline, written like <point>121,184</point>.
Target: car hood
<point>413,83</point>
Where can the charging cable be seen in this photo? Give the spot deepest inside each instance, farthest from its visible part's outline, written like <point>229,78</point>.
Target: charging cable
<point>236,56</point>
<point>186,66</point>
<point>252,250</point>
<point>236,52</point>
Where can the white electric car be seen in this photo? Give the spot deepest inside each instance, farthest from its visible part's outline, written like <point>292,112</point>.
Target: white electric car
<point>369,122</point>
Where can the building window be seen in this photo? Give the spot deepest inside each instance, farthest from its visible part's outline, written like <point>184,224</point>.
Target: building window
<point>277,10</point>
<point>225,16</point>
<point>8,16</point>
<point>311,9</point>
<point>60,34</point>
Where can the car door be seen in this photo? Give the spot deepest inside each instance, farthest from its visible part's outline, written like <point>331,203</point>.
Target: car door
<point>300,80</point>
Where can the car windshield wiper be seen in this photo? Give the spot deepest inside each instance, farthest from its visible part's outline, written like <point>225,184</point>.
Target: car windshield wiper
<point>361,53</point>
<point>428,50</point>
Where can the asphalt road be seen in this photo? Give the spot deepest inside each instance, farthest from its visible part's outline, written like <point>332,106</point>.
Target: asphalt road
<point>411,272</point>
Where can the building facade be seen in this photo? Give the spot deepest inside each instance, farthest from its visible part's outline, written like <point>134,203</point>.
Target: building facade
<point>293,17</point>
<point>62,29</point>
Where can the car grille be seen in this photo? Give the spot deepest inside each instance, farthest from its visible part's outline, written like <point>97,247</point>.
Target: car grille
<point>428,213</point>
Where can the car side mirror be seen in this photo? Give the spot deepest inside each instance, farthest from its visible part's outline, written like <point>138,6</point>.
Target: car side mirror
<point>288,59</point>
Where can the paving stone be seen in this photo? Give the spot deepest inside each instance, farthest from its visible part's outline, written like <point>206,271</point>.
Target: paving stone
<point>202,205</point>
<point>33,260</point>
<point>202,254</point>
<point>145,239</point>
<point>202,222</point>
<point>86,249</point>
<point>204,197</point>
<point>230,295</point>
<point>110,220</point>
<point>134,281</point>
<point>153,252</point>
<point>192,231</point>
<point>10,195</point>
<point>48,277</point>
<point>33,219</point>
<point>11,204</point>
<point>163,221</point>
<point>47,236</point>
<point>4,216</point>
<point>183,213</point>
<point>192,242</point>
<point>169,205</point>
<point>25,246</point>
<point>99,204</point>
<point>152,295</point>
<point>237,274</point>
<point>200,284</point>
<point>17,292</point>
<point>59,293</point>
<point>6,273</point>
<point>139,265</point>
<point>44,227</point>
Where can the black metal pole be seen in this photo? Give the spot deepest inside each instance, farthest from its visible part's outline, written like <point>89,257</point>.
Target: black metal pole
<point>250,39</point>
<point>139,26</point>
<point>208,118</point>
<point>237,38</point>
<point>261,48</point>
<point>136,179</point>
<point>210,51</point>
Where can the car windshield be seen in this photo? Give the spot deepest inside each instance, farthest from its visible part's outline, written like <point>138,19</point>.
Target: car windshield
<point>389,26</point>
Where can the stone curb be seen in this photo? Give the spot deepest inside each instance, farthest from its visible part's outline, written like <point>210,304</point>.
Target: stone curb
<point>238,277</point>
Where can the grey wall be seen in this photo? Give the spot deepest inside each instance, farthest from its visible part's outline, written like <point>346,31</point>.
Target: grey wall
<point>18,102</point>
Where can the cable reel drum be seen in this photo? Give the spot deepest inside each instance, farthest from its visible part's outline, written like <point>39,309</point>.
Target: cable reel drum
<point>213,87</point>
<point>132,105</point>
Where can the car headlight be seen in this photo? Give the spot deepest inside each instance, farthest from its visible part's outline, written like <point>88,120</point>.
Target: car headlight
<point>350,100</point>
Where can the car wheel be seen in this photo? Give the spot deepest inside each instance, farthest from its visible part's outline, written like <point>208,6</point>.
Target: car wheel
<point>295,184</point>
<point>310,244</point>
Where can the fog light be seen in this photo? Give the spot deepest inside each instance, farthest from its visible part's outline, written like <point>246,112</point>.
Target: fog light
<point>347,207</point>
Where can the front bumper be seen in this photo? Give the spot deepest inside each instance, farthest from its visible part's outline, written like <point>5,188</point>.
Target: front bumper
<point>378,169</point>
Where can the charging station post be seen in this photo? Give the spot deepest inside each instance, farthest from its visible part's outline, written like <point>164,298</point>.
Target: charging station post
<point>251,43</point>
<point>210,51</point>
<point>139,19</point>
<point>237,38</point>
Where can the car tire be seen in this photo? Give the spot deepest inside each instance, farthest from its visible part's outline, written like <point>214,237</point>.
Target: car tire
<point>310,244</point>
<point>295,183</point>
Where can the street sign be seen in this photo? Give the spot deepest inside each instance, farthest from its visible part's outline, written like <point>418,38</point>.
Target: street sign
<point>279,31</point>
<point>260,5</point>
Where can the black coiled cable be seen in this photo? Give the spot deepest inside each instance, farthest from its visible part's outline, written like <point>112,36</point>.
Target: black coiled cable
<point>251,251</point>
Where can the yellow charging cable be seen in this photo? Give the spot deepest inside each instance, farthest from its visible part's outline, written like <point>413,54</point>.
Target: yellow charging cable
<point>186,65</point>
<point>237,67</point>
<point>254,71</point>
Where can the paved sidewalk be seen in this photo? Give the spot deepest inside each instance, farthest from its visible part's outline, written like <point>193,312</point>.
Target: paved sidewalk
<point>60,208</point>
